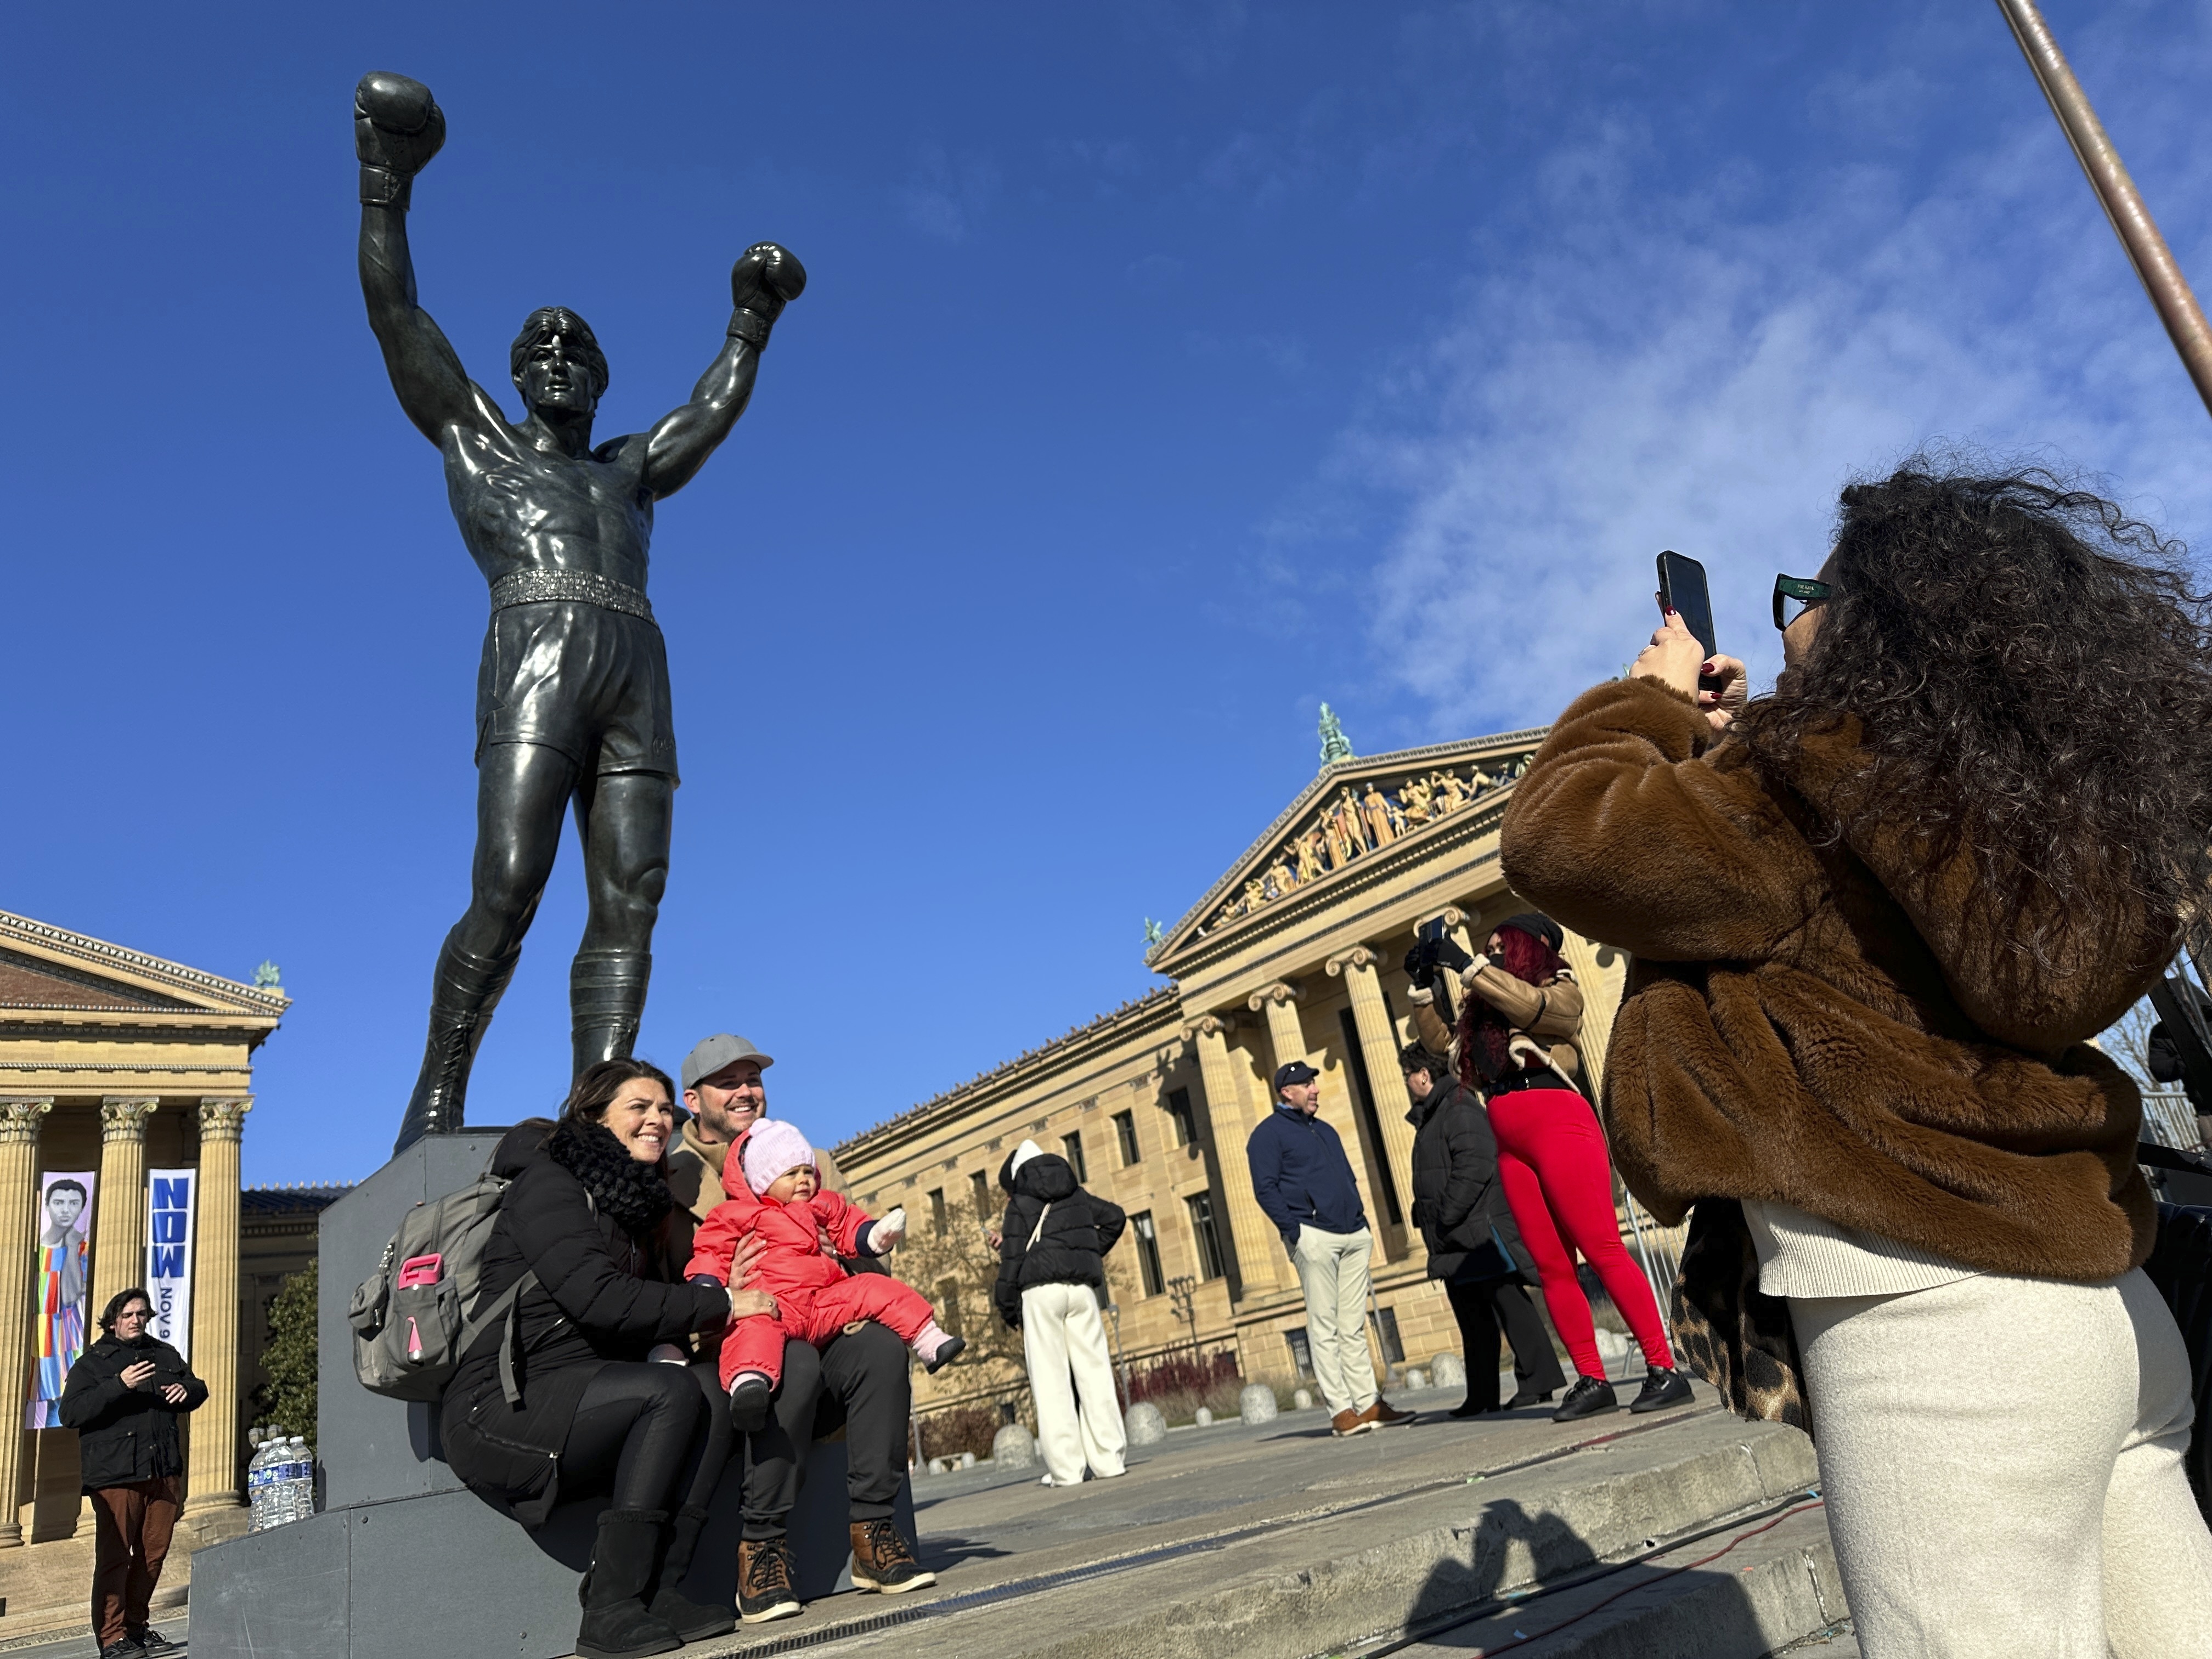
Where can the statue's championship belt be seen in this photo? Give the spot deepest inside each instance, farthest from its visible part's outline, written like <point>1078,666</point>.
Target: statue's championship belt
<point>584,587</point>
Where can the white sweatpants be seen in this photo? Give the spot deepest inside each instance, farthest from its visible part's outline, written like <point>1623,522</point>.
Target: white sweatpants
<point>2002,1462</point>
<point>1333,1275</point>
<point>1061,1332</point>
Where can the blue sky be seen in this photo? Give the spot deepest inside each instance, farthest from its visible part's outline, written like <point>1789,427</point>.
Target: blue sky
<point>1165,370</point>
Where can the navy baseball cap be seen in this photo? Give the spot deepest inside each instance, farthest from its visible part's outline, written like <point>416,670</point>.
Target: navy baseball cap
<point>1296,1072</point>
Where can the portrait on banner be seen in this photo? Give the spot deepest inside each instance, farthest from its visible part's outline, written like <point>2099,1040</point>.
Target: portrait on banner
<point>64,1281</point>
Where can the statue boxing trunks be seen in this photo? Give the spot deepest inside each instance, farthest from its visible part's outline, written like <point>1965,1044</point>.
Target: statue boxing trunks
<point>575,661</point>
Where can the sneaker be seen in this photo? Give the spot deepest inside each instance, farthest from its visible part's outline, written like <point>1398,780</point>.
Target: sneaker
<point>1662,1388</point>
<point>750,1397</point>
<point>1591,1396</point>
<point>1385,1415</point>
<point>764,1590</point>
<point>947,1351</point>
<point>1349,1422</point>
<point>883,1562</point>
<point>122,1648</point>
<point>153,1644</point>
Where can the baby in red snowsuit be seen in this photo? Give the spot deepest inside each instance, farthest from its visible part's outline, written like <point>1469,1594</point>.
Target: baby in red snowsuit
<point>805,1228</point>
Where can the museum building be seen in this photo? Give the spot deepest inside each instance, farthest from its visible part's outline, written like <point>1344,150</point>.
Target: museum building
<point>1294,954</point>
<point>113,1064</point>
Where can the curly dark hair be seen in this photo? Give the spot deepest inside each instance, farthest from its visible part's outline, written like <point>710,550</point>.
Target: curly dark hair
<point>2031,671</point>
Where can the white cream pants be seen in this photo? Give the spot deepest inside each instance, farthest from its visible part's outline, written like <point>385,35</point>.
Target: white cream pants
<point>1062,1334</point>
<point>1332,1273</point>
<point>2002,1462</point>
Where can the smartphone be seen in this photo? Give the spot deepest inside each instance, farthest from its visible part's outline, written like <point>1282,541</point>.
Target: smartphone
<point>1682,590</point>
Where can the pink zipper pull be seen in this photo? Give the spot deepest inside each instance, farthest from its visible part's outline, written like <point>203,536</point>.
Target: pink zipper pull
<point>414,1340</point>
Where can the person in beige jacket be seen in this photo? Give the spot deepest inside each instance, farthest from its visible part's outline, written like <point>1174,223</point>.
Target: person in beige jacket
<point>1517,1044</point>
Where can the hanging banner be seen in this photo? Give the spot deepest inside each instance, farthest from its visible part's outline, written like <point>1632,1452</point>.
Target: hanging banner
<point>64,1280</point>
<point>170,1194</point>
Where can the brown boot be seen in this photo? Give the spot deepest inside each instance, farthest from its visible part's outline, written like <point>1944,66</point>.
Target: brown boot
<point>1348,1422</point>
<point>1385,1415</point>
<point>882,1561</point>
<point>764,1590</point>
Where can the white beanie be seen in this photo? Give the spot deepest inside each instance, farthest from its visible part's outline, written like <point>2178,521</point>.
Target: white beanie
<point>773,1148</point>
<point>1023,1154</point>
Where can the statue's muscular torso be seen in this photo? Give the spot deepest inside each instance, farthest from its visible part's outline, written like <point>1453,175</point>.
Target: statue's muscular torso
<point>521,508</point>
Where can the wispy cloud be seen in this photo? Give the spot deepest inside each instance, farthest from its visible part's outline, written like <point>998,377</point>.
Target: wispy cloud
<point>1666,369</point>
<point>947,194</point>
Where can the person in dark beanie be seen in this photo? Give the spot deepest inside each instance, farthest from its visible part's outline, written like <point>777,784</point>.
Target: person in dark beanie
<point>1474,1249</point>
<point>123,1398</point>
<point>1304,1185</point>
<point>1052,1263</point>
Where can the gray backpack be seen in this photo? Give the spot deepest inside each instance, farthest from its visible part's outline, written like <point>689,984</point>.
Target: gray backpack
<point>416,1315</point>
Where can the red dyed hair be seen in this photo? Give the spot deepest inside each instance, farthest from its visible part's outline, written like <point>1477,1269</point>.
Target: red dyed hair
<point>1485,1033</point>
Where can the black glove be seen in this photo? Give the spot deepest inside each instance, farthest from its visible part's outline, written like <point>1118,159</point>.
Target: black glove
<point>1450,954</point>
<point>397,128</point>
<point>1421,963</point>
<point>765,279</point>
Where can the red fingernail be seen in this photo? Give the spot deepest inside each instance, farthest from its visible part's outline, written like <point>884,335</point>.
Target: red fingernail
<point>1670,610</point>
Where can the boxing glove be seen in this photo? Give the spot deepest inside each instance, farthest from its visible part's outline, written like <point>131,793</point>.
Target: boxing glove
<point>765,279</point>
<point>397,128</point>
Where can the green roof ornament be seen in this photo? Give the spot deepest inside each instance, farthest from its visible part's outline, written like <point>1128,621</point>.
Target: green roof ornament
<point>1154,933</point>
<point>1335,746</point>
<point>268,976</point>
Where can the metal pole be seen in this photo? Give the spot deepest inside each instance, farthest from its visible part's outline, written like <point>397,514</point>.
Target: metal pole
<point>2122,203</point>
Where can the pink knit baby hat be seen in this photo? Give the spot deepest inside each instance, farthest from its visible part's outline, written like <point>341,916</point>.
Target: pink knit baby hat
<point>773,1148</point>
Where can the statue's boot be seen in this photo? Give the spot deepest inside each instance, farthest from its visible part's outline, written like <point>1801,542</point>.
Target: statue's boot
<point>606,1000</point>
<point>463,993</point>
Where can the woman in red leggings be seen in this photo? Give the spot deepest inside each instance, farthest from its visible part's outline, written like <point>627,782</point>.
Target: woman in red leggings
<point>1551,1160</point>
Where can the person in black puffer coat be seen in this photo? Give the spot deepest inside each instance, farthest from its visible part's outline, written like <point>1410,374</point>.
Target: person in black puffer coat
<point>1474,1248</point>
<point>1051,1266</point>
<point>123,1397</point>
<point>590,1212</point>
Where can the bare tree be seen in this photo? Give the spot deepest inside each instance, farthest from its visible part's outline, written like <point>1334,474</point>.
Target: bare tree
<point>956,1268</point>
<point>2127,1040</point>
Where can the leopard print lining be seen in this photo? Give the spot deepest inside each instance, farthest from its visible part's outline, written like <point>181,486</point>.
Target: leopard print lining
<point>1730,1333</point>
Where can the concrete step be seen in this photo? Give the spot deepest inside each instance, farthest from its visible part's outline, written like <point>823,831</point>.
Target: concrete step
<point>1724,1595</point>
<point>1333,1576</point>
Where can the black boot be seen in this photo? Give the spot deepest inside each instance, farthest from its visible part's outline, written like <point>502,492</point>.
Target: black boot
<point>1663,1387</point>
<point>464,991</point>
<point>690,1621</point>
<point>1530,1397</point>
<point>624,1557</point>
<point>1591,1396</point>
<point>606,999</point>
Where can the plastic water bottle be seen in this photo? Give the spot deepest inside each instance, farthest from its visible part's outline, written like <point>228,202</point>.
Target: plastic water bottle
<point>259,1487</point>
<point>295,1482</point>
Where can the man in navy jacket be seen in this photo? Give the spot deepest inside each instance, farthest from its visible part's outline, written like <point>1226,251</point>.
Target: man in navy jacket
<point>1304,1182</point>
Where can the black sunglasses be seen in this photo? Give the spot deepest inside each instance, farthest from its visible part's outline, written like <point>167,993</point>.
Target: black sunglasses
<point>1807,594</point>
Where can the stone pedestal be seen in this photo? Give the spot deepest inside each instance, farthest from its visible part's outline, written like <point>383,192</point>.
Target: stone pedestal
<point>404,1562</point>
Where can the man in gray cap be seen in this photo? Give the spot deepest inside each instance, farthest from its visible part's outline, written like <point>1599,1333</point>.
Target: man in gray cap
<point>724,1092</point>
<point>857,1379</point>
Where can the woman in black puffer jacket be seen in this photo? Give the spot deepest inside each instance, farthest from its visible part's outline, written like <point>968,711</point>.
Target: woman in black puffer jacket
<point>1474,1248</point>
<point>590,1213</point>
<point>1052,1265</point>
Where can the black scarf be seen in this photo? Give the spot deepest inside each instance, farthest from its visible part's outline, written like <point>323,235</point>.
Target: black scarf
<point>634,1195</point>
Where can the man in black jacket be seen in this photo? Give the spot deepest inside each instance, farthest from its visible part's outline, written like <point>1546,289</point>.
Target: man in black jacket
<point>123,1398</point>
<point>1052,1265</point>
<point>1474,1248</point>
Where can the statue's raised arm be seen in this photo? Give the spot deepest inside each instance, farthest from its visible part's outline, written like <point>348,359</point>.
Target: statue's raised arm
<point>764,280</point>
<point>398,127</point>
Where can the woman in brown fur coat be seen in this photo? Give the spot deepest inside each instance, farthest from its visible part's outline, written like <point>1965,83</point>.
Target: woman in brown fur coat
<point>1875,918</point>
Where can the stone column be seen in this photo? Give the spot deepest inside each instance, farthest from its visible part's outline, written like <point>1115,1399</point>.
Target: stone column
<point>1378,1043</point>
<point>1598,1007</point>
<point>1280,1002</point>
<point>20,1120</point>
<point>211,1480</point>
<point>118,1232</point>
<point>1252,1239</point>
